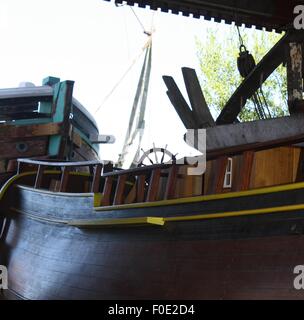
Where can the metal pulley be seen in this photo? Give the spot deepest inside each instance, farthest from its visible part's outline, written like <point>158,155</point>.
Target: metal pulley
<point>245,62</point>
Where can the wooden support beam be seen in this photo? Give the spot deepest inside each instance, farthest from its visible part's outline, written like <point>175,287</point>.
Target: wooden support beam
<point>295,77</point>
<point>120,188</point>
<point>171,182</point>
<point>153,185</point>
<point>180,104</point>
<point>107,191</point>
<point>96,178</point>
<point>254,80</point>
<point>255,135</point>
<point>198,103</point>
<point>141,185</point>
<point>13,132</point>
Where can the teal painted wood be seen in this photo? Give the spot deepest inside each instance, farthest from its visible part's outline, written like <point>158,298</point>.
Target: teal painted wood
<point>62,105</point>
<point>46,107</point>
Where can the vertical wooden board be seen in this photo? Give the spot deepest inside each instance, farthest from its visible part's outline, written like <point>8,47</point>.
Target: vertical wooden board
<point>207,176</point>
<point>171,182</point>
<point>154,185</point>
<point>187,188</point>
<point>236,172</point>
<point>180,182</point>
<point>106,201</point>
<point>140,188</point>
<point>131,196</point>
<point>272,167</point>
<point>120,188</point>
<point>244,177</point>
<point>298,159</point>
<point>217,175</point>
<point>294,75</point>
<point>96,178</point>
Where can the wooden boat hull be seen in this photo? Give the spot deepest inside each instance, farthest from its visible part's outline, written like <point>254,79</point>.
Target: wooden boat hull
<point>232,257</point>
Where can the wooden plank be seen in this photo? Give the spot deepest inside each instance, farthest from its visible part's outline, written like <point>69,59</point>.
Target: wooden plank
<point>216,180</point>
<point>153,185</point>
<point>243,182</point>
<point>300,167</point>
<point>64,179</point>
<point>141,185</point>
<point>179,103</point>
<point>171,183</point>
<point>34,147</point>
<point>51,163</point>
<point>255,135</point>
<point>197,100</point>
<point>120,188</point>
<point>131,196</point>
<point>13,132</point>
<point>106,201</point>
<point>96,178</point>
<point>272,167</point>
<point>39,176</point>
<point>294,75</point>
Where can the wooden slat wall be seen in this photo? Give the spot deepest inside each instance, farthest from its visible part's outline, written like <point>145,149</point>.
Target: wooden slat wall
<point>274,167</point>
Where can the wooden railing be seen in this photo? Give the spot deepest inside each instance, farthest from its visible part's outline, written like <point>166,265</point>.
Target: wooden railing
<point>145,180</point>
<point>115,186</point>
<point>95,166</point>
<point>145,187</point>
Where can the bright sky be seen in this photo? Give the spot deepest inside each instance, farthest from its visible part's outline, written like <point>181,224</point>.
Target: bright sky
<point>93,42</point>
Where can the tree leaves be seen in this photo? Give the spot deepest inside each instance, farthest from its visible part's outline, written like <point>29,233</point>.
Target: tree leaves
<point>217,56</point>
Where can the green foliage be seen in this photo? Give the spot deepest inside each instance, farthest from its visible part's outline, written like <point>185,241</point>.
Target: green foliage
<point>218,54</point>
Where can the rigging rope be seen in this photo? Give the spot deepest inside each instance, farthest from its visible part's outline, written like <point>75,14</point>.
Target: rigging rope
<point>139,103</point>
<point>246,64</point>
<point>123,76</point>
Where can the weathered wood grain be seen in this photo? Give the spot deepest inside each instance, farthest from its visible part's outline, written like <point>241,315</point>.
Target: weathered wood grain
<point>198,103</point>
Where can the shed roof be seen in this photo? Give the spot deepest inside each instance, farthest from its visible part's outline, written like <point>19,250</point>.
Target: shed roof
<point>269,14</point>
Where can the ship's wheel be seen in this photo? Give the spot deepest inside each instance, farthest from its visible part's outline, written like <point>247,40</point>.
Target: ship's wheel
<point>156,156</point>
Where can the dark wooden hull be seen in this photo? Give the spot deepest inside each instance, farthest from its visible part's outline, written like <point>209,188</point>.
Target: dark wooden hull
<point>242,257</point>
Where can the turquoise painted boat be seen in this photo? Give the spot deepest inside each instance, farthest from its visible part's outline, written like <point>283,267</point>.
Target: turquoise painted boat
<point>45,122</point>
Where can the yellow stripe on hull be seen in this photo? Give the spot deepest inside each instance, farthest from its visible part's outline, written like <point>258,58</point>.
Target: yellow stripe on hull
<point>229,195</point>
<point>117,222</point>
